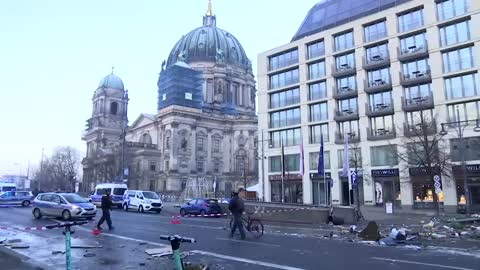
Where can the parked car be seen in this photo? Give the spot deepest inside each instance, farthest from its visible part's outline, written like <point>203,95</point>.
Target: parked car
<point>142,201</point>
<point>65,205</point>
<point>116,191</point>
<point>23,198</point>
<point>201,207</point>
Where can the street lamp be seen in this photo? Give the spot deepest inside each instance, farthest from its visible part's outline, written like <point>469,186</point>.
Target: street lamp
<point>460,126</point>
<point>262,157</point>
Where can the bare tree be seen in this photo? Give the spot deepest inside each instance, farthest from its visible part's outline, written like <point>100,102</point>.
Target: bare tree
<point>425,150</point>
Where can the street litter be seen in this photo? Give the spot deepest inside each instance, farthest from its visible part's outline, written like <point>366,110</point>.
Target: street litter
<point>11,241</point>
<point>437,236</point>
<point>142,243</point>
<point>89,255</point>
<point>159,252</point>
<point>86,247</point>
<point>353,229</point>
<point>370,232</point>
<point>19,246</point>
<point>58,252</point>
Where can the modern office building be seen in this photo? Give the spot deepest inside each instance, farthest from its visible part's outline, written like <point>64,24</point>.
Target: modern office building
<point>378,71</point>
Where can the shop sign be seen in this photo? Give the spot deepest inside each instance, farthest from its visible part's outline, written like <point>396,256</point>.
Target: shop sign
<point>422,171</point>
<point>470,169</point>
<point>315,176</point>
<point>385,173</point>
<point>288,177</point>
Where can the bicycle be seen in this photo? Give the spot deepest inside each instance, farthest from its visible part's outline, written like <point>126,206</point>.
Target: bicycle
<point>253,225</point>
<point>175,241</point>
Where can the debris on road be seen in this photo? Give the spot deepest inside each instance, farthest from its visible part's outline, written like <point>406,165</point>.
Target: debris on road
<point>88,255</point>
<point>19,246</point>
<point>142,243</point>
<point>370,232</point>
<point>159,252</point>
<point>57,252</point>
<point>86,247</point>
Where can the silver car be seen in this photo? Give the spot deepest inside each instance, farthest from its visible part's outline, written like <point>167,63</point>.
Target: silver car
<point>65,205</point>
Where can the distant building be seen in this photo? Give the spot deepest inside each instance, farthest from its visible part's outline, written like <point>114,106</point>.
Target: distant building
<point>205,125</point>
<point>21,181</point>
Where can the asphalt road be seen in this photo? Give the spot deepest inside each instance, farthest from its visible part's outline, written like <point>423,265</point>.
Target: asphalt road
<point>124,247</point>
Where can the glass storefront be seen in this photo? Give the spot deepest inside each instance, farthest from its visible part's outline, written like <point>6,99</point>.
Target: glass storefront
<point>387,187</point>
<point>423,192</point>
<point>293,191</point>
<point>321,190</point>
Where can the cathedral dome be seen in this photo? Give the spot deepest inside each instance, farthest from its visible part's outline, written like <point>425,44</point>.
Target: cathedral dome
<point>209,44</point>
<point>111,81</point>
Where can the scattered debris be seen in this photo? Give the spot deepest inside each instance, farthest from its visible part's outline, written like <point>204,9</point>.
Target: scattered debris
<point>11,241</point>
<point>57,252</point>
<point>87,255</point>
<point>122,246</point>
<point>142,264</point>
<point>142,243</point>
<point>156,251</point>
<point>353,229</point>
<point>86,247</point>
<point>370,232</point>
<point>19,246</point>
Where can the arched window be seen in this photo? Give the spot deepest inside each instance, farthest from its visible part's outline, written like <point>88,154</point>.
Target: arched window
<point>114,108</point>
<point>146,138</point>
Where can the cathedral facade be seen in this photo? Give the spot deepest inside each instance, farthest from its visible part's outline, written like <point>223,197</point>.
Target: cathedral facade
<point>205,125</point>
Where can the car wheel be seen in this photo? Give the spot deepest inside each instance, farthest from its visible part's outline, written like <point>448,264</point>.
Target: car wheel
<point>202,212</point>
<point>119,206</point>
<point>26,203</point>
<point>37,214</point>
<point>66,215</point>
<point>125,207</point>
<point>183,212</point>
<point>140,209</point>
<point>158,211</point>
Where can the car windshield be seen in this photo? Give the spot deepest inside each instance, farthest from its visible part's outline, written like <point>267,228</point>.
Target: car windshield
<point>119,191</point>
<point>74,198</point>
<point>150,195</point>
<point>211,201</point>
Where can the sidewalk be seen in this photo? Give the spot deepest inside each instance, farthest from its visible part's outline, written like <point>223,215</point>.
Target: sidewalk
<point>14,261</point>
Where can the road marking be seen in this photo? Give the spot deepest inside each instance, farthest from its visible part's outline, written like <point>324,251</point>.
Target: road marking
<point>421,263</point>
<point>247,242</point>
<point>266,264</point>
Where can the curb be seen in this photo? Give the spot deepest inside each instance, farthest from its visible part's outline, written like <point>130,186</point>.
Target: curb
<point>24,260</point>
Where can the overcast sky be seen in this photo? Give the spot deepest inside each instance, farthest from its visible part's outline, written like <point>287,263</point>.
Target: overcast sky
<point>54,52</point>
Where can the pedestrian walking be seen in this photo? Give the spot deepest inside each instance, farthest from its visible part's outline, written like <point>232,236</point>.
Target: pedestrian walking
<point>106,208</point>
<point>236,206</point>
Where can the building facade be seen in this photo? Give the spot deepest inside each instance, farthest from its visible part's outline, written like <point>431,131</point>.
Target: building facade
<point>205,125</point>
<point>372,72</point>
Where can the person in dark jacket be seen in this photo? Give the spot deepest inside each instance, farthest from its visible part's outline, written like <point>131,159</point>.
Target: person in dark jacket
<point>236,206</point>
<point>106,206</point>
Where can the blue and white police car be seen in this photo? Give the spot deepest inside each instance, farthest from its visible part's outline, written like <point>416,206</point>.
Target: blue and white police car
<point>23,198</point>
<point>116,191</point>
<point>65,205</point>
<point>141,201</point>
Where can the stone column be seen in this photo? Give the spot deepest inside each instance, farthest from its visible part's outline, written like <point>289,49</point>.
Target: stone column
<point>193,149</point>
<point>208,149</point>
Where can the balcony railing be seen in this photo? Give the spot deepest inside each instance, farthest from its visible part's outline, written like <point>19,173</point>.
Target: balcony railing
<point>379,109</point>
<point>344,92</point>
<point>346,115</point>
<point>343,70</point>
<point>427,128</point>
<point>142,145</point>
<point>412,52</point>
<point>378,85</point>
<point>376,61</point>
<point>352,137</point>
<point>415,78</point>
<point>417,103</point>
<point>381,134</point>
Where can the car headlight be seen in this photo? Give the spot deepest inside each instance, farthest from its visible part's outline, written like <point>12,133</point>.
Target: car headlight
<point>75,207</point>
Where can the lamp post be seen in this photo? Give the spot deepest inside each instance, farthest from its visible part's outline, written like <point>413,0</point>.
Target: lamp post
<point>460,126</point>
<point>261,157</point>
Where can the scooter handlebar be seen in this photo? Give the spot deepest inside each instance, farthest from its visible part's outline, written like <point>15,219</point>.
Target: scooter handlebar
<point>178,237</point>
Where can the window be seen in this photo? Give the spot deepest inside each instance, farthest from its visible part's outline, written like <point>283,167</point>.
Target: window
<point>451,8</point>
<point>283,60</point>
<point>146,138</point>
<point>384,155</point>
<point>188,96</point>
<point>344,41</point>
<point>316,70</point>
<point>167,165</point>
<point>345,61</point>
<point>314,160</point>
<point>466,111</point>
<point>316,132</point>
<point>284,79</point>
<point>377,53</point>
<point>351,127</point>
<point>413,43</point>
<point>285,118</point>
<point>375,31</point>
<point>410,20</point>
<point>316,49</point>
<point>380,101</point>
<point>415,68</point>
<point>167,142</point>
<point>216,166</point>
<point>292,163</point>
<point>417,92</point>
<point>113,108</point>
<point>417,154</point>
<point>318,112</point>
<point>200,166</point>
<point>414,119</point>
<point>470,150</point>
<point>317,90</point>
<point>285,98</point>
<point>354,156</point>
<point>378,77</point>
<point>200,141</point>
<point>462,86</point>
<point>347,83</point>
<point>348,105</point>
<point>455,33</point>
<point>288,137</point>
<point>381,125</point>
<point>153,167</point>
<point>216,145</point>
<point>458,59</point>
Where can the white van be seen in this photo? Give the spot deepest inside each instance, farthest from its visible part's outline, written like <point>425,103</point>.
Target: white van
<point>142,201</point>
<point>115,190</point>
<point>6,186</point>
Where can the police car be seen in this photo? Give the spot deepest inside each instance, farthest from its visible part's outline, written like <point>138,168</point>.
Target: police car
<point>23,198</point>
<point>116,191</point>
<point>65,205</point>
<point>142,201</point>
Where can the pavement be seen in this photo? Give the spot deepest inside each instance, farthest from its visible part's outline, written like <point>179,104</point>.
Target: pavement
<point>282,247</point>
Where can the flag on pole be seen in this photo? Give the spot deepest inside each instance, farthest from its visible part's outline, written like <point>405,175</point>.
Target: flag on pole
<point>302,168</point>
<point>346,163</point>
<point>283,161</point>
<point>321,157</point>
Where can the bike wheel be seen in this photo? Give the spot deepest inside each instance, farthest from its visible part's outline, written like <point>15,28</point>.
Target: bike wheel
<point>256,228</point>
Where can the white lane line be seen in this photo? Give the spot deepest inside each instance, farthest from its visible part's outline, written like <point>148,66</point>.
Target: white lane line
<point>421,263</point>
<point>247,242</point>
<point>226,257</point>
